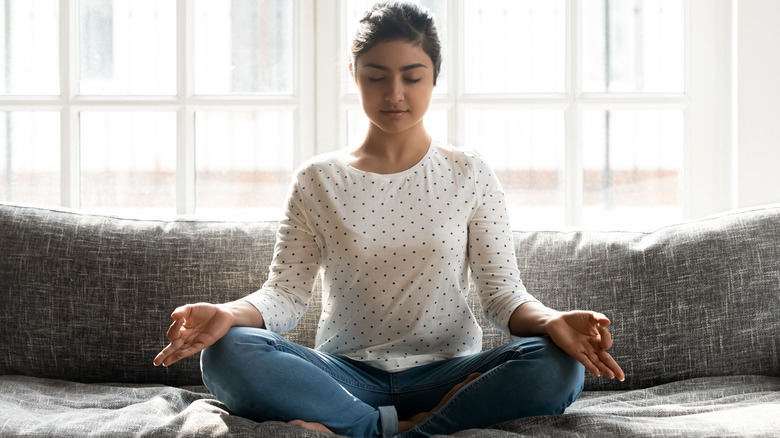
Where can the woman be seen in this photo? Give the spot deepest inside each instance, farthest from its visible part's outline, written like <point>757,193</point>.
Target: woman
<point>394,226</point>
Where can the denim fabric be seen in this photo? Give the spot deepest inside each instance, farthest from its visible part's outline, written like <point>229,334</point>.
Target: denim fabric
<point>263,376</point>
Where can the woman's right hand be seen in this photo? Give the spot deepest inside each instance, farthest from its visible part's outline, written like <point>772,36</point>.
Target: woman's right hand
<point>195,327</point>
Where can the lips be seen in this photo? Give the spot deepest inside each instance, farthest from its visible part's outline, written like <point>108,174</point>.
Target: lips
<point>394,112</point>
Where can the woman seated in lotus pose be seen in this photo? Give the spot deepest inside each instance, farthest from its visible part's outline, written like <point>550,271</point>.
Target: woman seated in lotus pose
<point>393,226</point>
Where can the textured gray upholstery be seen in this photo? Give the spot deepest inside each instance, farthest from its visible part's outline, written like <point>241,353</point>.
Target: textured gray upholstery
<point>690,300</point>
<point>86,298</point>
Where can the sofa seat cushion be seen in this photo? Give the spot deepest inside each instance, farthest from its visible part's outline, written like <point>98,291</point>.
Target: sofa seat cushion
<point>717,406</point>
<point>742,406</point>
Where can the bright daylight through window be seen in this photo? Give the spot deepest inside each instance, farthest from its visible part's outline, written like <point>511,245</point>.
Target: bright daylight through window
<point>201,106</point>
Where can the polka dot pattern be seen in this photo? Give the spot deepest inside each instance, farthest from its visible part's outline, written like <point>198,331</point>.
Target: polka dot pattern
<point>395,253</point>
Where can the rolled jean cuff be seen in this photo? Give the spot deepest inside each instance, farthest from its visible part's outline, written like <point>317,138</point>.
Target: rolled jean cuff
<point>388,419</point>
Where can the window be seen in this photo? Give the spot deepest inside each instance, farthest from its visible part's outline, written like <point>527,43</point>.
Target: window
<point>158,105</point>
<point>600,114</point>
<point>585,108</point>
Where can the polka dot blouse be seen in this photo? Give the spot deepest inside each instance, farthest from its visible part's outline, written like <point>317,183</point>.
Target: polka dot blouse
<point>394,252</point>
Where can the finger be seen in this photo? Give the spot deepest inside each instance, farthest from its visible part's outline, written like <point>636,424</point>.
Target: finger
<point>606,338</point>
<point>168,357</point>
<point>158,360</point>
<point>597,320</point>
<point>587,363</point>
<point>167,352</point>
<point>601,319</point>
<point>174,331</point>
<point>602,367</point>
<point>180,316</point>
<point>161,359</point>
<point>609,361</point>
<point>605,370</point>
<point>182,353</point>
<point>181,312</point>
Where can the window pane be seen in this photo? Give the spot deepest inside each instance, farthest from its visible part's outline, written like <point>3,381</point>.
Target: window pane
<point>355,11</point>
<point>244,46</point>
<point>526,149</point>
<point>514,46</point>
<point>128,160</point>
<point>29,45</point>
<point>357,124</point>
<point>30,160</point>
<point>633,45</point>
<point>127,47</point>
<point>632,163</point>
<point>244,159</point>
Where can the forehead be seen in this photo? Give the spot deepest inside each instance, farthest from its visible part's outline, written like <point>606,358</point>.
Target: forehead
<point>395,55</point>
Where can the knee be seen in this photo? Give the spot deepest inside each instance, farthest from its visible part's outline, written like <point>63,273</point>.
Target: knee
<point>569,377</point>
<point>224,346</point>
<point>563,376</point>
<point>566,377</point>
<point>231,350</point>
<point>559,365</point>
<point>564,366</point>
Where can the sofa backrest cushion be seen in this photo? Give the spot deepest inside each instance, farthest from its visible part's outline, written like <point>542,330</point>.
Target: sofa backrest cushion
<point>88,297</point>
<point>691,300</point>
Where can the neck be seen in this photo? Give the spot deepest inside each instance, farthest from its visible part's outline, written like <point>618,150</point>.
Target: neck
<point>395,146</point>
<point>385,153</point>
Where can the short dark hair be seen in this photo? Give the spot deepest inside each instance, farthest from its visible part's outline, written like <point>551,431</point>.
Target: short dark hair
<point>398,20</point>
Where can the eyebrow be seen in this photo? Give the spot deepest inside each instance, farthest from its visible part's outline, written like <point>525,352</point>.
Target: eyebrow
<point>404,68</point>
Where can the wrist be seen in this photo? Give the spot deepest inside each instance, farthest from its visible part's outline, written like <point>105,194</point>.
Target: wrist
<point>243,314</point>
<point>532,318</point>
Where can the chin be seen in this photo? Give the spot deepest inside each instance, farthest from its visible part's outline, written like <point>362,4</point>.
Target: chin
<point>395,128</point>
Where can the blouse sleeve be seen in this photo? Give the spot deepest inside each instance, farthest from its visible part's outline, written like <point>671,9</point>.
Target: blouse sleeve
<point>492,250</point>
<point>284,297</point>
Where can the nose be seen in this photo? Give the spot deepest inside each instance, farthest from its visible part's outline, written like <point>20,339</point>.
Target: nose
<point>395,90</point>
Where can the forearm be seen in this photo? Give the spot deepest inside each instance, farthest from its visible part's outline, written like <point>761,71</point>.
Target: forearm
<point>244,314</point>
<point>530,319</point>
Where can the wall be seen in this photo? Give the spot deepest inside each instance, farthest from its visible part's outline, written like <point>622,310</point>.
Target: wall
<point>758,94</point>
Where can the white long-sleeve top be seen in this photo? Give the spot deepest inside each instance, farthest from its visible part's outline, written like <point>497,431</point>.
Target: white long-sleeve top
<point>394,253</point>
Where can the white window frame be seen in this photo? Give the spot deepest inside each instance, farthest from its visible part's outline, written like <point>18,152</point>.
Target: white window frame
<point>708,178</point>
<point>185,103</point>
<point>320,102</point>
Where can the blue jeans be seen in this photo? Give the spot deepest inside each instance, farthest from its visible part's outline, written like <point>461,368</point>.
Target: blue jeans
<point>263,376</point>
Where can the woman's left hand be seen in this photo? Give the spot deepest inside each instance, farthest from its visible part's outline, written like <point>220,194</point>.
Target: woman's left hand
<point>584,336</point>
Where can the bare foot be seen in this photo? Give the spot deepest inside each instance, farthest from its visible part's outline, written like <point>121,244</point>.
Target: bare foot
<point>403,426</point>
<point>414,420</point>
<point>319,427</point>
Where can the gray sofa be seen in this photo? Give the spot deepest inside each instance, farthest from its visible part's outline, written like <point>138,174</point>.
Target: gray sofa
<point>86,300</point>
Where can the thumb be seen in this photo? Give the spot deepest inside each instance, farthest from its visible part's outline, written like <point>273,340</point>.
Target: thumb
<point>593,322</point>
<point>182,312</point>
<point>602,319</point>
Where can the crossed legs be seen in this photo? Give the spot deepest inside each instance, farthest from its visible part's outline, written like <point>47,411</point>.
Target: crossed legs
<point>263,376</point>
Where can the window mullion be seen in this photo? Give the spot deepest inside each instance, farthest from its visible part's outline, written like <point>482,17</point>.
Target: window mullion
<point>305,55</point>
<point>573,184</point>
<point>455,60</point>
<point>330,119</point>
<point>70,171</point>
<point>185,116</point>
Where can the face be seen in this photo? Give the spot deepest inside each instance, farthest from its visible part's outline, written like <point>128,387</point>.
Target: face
<point>395,82</point>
